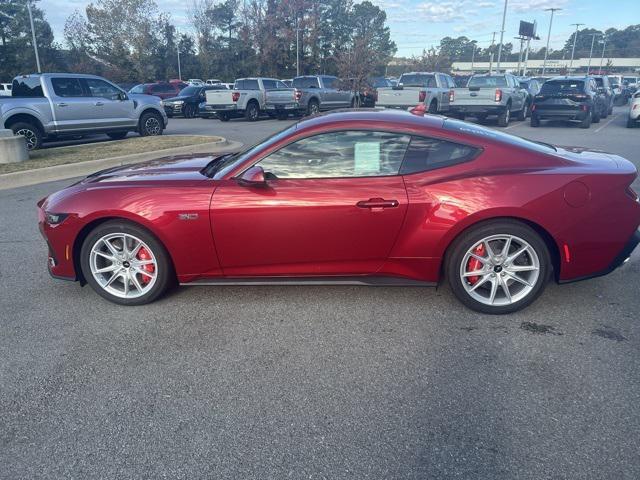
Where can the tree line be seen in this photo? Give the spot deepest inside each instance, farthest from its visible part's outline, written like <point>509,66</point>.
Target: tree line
<point>133,41</point>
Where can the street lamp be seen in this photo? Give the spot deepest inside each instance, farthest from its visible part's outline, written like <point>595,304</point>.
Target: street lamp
<point>33,33</point>
<point>593,39</point>
<point>504,16</point>
<point>575,37</point>
<point>546,51</point>
<point>604,44</point>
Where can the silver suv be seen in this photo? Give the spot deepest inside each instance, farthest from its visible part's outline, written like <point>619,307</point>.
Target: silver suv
<point>52,105</point>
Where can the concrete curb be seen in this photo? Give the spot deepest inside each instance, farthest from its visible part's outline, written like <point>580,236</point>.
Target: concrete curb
<point>79,169</point>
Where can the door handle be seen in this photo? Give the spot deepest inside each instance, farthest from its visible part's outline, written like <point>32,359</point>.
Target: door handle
<point>377,203</point>
<point>62,104</point>
<point>99,104</point>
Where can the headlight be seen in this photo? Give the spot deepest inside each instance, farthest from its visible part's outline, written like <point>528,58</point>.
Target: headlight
<point>55,218</point>
<point>178,102</point>
<point>162,102</point>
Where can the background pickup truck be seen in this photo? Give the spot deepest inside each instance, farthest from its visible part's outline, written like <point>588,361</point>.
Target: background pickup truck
<point>247,98</point>
<point>430,88</point>
<point>486,95</point>
<point>48,106</point>
<point>313,93</point>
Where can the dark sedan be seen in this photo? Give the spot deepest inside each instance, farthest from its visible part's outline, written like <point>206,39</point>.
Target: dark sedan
<point>188,101</point>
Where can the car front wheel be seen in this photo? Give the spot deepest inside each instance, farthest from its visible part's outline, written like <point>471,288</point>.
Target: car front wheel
<point>125,264</point>
<point>498,267</point>
<point>151,124</point>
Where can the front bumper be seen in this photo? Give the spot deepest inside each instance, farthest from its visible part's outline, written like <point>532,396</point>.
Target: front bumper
<point>173,109</point>
<point>60,243</point>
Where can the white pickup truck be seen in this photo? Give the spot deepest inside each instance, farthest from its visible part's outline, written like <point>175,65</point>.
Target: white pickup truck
<point>430,88</point>
<point>247,98</point>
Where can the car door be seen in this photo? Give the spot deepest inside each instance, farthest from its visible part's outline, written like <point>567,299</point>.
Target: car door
<point>333,205</point>
<point>112,107</point>
<point>72,105</point>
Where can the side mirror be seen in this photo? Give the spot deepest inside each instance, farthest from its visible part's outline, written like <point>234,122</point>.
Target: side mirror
<point>122,96</point>
<point>253,177</point>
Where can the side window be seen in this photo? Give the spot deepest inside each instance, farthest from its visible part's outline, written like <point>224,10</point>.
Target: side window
<point>137,89</point>
<point>26,87</point>
<point>100,88</point>
<point>426,154</point>
<point>67,87</point>
<point>280,84</point>
<point>339,155</point>
<point>330,82</point>
<point>268,84</point>
<point>251,85</point>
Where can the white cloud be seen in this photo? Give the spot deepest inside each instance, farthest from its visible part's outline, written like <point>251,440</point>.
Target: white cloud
<point>439,12</point>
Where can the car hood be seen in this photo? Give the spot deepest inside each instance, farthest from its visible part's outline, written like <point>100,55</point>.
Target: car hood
<point>173,99</point>
<point>182,167</point>
<point>144,98</point>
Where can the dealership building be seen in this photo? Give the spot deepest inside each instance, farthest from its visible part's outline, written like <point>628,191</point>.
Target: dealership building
<point>629,66</point>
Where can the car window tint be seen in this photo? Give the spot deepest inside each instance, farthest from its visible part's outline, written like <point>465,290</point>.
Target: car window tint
<point>100,88</point>
<point>417,80</point>
<point>269,84</point>
<point>67,87</point>
<point>251,85</point>
<point>280,84</point>
<point>551,87</point>
<point>495,81</point>
<point>26,87</point>
<point>339,154</point>
<point>426,154</point>
<point>305,82</point>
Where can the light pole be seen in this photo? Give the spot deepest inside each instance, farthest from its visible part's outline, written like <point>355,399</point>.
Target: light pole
<point>520,54</point>
<point>593,39</point>
<point>473,56</point>
<point>33,33</point>
<point>493,40</point>
<point>604,44</point>
<point>178,52</point>
<point>573,50</point>
<point>504,17</point>
<point>297,52</point>
<point>546,51</point>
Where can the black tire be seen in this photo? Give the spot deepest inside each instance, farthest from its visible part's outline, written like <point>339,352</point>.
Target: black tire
<point>224,117</point>
<point>504,117</point>
<point>165,275</point>
<point>631,123</point>
<point>535,120</point>
<point>524,113</point>
<point>189,111</point>
<point>595,118</point>
<point>610,111</point>
<point>465,241</point>
<point>313,107</point>
<point>117,135</point>
<point>32,134</point>
<point>586,122</point>
<point>252,113</point>
<point>151,124</point>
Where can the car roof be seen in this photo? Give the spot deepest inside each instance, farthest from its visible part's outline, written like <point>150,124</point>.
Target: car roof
<point>53,74</point>
<point>373,115</point>
<point>569,77</point>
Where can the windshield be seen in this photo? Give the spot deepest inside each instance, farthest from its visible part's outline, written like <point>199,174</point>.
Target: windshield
<point>380,82</point>
<point>137,89</point>
<point>497,81</point>
<point>189,91</point>
<point>221,166</point>
<point>417,80</point>
<point>553,87</point>
<point>483,132</point>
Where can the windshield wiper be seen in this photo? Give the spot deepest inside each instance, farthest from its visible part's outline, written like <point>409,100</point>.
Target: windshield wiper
<point>214,165</point>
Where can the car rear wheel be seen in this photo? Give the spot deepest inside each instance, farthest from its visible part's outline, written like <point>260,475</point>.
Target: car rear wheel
<point>125,264</point>
<point>31,133</point>
<point>595,118</point>
<point>586,122</point>
<point>313,107</point>
<point>498,267</point>
<point>631,123</point>
<point>522,114</point>
<point>224,117</point>
<point>150,124</point>
<point>252,113</point>
<point>504,117</point>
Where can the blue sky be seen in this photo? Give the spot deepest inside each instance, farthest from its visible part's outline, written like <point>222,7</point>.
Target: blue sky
<point>416,24</point>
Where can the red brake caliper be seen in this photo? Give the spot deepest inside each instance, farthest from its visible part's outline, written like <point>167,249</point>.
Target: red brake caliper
<point>143,254</point>
<point>475,264</point>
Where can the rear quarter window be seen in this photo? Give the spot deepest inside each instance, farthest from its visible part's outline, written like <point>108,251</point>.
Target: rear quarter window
<point>27,87</point>
<point>424,154</point>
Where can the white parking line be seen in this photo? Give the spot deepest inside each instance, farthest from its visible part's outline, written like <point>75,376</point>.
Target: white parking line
<point>606,124</point>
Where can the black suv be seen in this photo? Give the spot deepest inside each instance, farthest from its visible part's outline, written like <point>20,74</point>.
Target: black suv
<point>569,98</point>
<point>188,101</point>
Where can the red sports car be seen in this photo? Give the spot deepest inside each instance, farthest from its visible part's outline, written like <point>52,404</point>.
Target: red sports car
<point>361,197</point>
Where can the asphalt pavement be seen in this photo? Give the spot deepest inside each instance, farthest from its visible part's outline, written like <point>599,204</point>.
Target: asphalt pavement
<point>315,382</point>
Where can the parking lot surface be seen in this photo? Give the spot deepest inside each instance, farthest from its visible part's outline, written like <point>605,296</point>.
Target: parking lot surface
<point>315,382</point>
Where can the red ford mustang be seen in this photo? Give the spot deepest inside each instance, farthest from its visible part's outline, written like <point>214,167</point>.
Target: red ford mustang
<point>361,197</point>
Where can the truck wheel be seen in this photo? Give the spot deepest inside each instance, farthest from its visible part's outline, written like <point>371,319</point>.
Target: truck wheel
<point>586,122</point>
<point>631,123</point>
<point>595,118</point>
<point>150,124</point>
<point>504,117</point>
<point>252,113</point>
<point>313,107</point>
<point>224,117</point>
<point>31,133</point>
<point>117,135</point>
<point>522,114</point>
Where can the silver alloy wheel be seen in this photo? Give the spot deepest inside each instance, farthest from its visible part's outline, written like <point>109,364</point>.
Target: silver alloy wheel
<point>116,266</point>
<point>152,126</point>
<point>30,137</point>
<point>500,270</point>
<point>314,108</point>
<point>507,115</point>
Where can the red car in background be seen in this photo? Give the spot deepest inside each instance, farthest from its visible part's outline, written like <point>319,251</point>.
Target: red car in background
<point>159,89</point>
<point>360,197</point>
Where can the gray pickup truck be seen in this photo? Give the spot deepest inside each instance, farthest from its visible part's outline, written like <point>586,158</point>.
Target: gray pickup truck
<point>430,88</point>
<point>490,94</point>
<point>309,94</point>
<point>53,105</point>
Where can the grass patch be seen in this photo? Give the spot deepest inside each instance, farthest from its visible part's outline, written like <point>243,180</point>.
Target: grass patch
<point>49,157</point>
